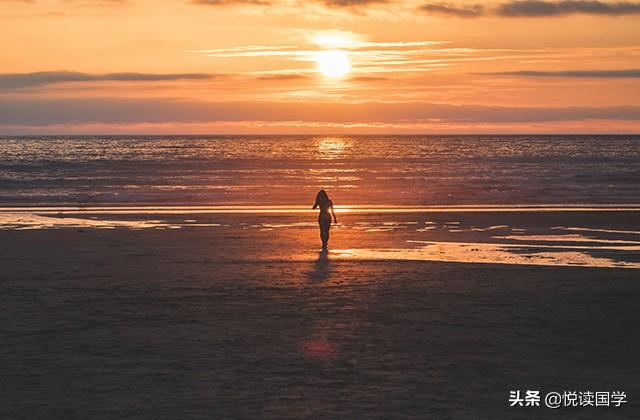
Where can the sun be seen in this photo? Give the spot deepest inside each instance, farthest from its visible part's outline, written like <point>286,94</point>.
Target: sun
<point>333,63</point>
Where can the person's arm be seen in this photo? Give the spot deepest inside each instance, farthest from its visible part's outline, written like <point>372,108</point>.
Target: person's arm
<point>315,205</point>
<point>334,215</point>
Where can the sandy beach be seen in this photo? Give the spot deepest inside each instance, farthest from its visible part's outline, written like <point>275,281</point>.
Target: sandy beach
<point>220,315</point>
<point>170,172</point>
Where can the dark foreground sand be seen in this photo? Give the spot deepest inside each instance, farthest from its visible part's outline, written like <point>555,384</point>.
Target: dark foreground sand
<point>235,321</point>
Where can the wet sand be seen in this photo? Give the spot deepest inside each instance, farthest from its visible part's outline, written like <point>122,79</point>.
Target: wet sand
<point>239,315</point>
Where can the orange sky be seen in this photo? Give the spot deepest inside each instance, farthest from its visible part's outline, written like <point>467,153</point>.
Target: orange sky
<point>250,66</point>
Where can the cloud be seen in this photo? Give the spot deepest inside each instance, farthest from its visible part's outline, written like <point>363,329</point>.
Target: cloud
<point>282,76</point>
<point>629,73</point>
<point>329,3</point>
<point>368,79</point>
<point>514,8</point>
<point>42,112</point>
<point>352,3</point>
<point>366,56</point>
<point>232,2</point>
<point>97,2</point>
<point>473,10</point>
<point>535,8</point>
<point>43,78</point>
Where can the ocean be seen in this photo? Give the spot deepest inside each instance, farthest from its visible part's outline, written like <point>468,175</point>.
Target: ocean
<point>289,170</point>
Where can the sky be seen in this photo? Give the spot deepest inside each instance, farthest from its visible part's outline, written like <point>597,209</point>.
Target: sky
<point>319,66</point>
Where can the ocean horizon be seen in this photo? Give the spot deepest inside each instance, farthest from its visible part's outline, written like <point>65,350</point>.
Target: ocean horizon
<point>363,170</point>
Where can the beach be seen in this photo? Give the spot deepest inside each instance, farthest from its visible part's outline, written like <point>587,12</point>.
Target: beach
<point>326,209</point>
<point>191,313</point>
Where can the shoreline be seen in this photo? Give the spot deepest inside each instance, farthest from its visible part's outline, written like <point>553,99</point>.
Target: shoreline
<point>607,237</point>
<point>213,209</point>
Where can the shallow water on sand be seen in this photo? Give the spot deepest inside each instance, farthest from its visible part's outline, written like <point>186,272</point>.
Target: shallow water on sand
<point>598,237</point>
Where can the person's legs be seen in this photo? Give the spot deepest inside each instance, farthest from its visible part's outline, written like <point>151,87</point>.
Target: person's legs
<point>324,231</point>
<point>320,225</point>
<point>324,235</point>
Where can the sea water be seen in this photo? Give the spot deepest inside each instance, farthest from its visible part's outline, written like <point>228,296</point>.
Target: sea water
<point>289,170</point>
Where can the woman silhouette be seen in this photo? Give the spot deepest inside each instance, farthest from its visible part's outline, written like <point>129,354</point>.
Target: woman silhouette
<point>324,218</point>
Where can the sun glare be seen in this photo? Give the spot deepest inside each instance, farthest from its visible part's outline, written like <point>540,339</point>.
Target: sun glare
<point>333,63</point>
<point>332,147</point>
<point>334,39</point>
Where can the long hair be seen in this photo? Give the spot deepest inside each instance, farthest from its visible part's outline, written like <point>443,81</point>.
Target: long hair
<point>322,198</point>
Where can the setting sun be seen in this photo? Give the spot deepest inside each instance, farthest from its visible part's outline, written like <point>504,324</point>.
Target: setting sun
<point>333,63</point>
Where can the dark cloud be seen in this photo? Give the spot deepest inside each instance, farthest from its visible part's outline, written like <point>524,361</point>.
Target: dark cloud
<point>42,78</point>
<point>514,8</point>
<point>43,112</point>
<point>629,73</point>
<point>535,8</point>
<point>473,10</point>
<point>532,8</point>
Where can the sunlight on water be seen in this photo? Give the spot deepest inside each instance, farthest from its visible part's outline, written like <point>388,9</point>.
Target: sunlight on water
<point>581,229</point>
<point>26,221</point>
<point>562,238</point>
<point>332,147</point>
<point>263,170</point>
<point>491,253</point>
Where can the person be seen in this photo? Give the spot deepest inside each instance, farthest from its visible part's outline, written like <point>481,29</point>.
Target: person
<point>324,218</point>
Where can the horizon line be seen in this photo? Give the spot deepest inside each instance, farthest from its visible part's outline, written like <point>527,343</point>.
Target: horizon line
<point>333,134</point>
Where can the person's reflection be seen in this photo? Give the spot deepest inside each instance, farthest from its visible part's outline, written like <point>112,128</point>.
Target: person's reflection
<point>321,267</point>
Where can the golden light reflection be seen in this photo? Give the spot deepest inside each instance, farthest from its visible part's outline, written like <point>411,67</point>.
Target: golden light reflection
<point>496,253</point>
<point>333,147</point>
